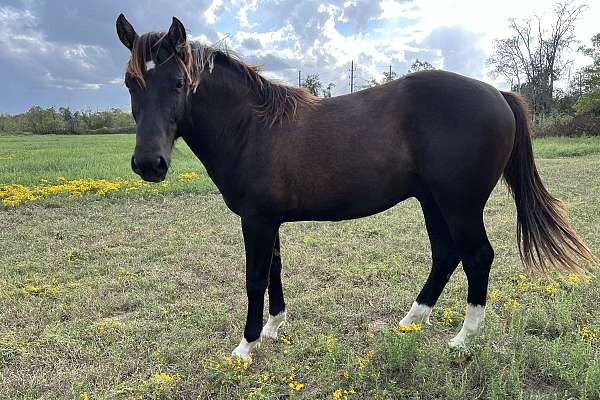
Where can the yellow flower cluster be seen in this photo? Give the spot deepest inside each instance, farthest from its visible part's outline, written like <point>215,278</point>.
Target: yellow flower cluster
<point>330,343</point>
<point>285,340</point>
<point>342,394</point>
<point>496,295</point>
<point>404,329</point>
<point>552,288</point>
<point>42,290</point>
<point>512,304</point>
<point>296,386</point>
<point>588,335</point>
<point>162,378</point>
<point>234,363</point>
<point>448,316</point>
<point>108,325</point>
<point>188,176</point>
<point>14,194</point>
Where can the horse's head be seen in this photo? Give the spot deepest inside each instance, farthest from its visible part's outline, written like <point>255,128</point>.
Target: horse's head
<point>158,80</point>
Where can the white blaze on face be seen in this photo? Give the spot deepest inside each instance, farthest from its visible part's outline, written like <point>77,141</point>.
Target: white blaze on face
<point>472,326</point>
<point>418,313</point>
<point>150,65</point>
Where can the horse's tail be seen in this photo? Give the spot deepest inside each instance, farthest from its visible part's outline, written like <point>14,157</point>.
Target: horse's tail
<point>546,240</point>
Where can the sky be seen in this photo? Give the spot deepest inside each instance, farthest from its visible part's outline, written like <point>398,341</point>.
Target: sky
<point>66,52</point>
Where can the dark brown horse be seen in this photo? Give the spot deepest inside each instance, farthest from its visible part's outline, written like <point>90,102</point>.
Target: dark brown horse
<point>278,154</point>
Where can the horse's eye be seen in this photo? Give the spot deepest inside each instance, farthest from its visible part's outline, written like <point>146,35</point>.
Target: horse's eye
<point>180,84</point>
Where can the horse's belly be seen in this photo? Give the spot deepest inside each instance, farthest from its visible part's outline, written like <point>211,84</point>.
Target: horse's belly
<point>335,203</point>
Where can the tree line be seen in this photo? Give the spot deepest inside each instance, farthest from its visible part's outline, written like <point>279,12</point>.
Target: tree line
<point>40,121</point>
<point>538,53</point>
<point>314,85</point>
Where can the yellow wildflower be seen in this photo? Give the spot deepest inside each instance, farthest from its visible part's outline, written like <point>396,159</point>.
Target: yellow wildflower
<point>496,295</point>
<point>188,176</point>
<point>552,288</point>
<point>573,280</point>
<point>236,363</point>
<point>361,363</point>
<point>329,343</point>
<point>513,304</point>
<point>296,386</point>
<point>403,329</point>
<point>285,340</point>
<point>447,316</point>
<point>342,394</point>
<point>43,290</point>
<point>308,240</point>
<point>588,335</point>
<point>161,377</point>
<point>84,396</point>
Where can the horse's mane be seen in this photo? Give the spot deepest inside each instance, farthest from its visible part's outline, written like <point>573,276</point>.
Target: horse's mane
<point>277,101</point>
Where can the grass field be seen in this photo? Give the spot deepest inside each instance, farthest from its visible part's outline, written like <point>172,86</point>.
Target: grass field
<point>140,294</point>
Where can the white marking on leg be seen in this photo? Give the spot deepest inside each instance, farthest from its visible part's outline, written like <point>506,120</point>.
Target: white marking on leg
<point>272,325</point>
<point>150,65</point>
<point>417,314</point>
<point>244,349</point>
<point>472,326</point>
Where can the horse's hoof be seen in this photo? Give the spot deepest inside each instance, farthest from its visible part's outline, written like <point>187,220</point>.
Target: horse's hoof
<point>272,326</point>
<point>457,344</point>
<point>244,349</point>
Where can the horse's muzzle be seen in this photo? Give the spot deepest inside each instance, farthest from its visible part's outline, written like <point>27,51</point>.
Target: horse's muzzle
<point>150,168</point>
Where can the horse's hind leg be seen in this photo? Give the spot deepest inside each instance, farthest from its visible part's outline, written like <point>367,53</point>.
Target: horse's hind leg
<point>277,313</point>
<point>445,259</point>
<point>468,232</point>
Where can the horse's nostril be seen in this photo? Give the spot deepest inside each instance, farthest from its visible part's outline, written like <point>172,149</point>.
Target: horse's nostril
<point>162,164</point>
<point>134,165</point>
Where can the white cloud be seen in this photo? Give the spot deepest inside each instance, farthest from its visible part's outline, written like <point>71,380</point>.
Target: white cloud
<point>210,13</point>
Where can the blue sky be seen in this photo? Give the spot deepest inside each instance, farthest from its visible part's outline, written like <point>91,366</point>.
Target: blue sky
<point>66,52</point>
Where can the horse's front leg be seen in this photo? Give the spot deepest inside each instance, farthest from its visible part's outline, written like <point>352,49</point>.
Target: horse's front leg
<point>277,312</point>
<point>259,239</point>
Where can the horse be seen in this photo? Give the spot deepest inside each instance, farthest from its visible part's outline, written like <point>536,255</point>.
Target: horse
<point>278,154</point>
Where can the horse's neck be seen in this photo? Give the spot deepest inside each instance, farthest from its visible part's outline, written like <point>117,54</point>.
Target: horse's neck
<point>221,124</point>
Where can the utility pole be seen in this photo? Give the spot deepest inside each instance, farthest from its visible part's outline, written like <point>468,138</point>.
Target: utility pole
<point>299,78</point>
<point>390,71</point>
<point>352,77</point>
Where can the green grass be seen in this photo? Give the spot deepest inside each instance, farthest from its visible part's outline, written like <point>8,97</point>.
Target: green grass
<point>557,147</point>
<point>29,159</point>
<point>101,295</point>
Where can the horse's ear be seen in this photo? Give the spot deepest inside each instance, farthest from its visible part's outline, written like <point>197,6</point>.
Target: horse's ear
<point>177,35</point>
<point>126,32</point>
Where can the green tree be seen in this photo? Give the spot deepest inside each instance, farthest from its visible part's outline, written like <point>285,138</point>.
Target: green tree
<point>328,89</point>
<point>313,84</point>
<point>532,59</point>
<point>419,65</point>
<point>370,83</point>
<point>389,76</point>
<point>589,80</point>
